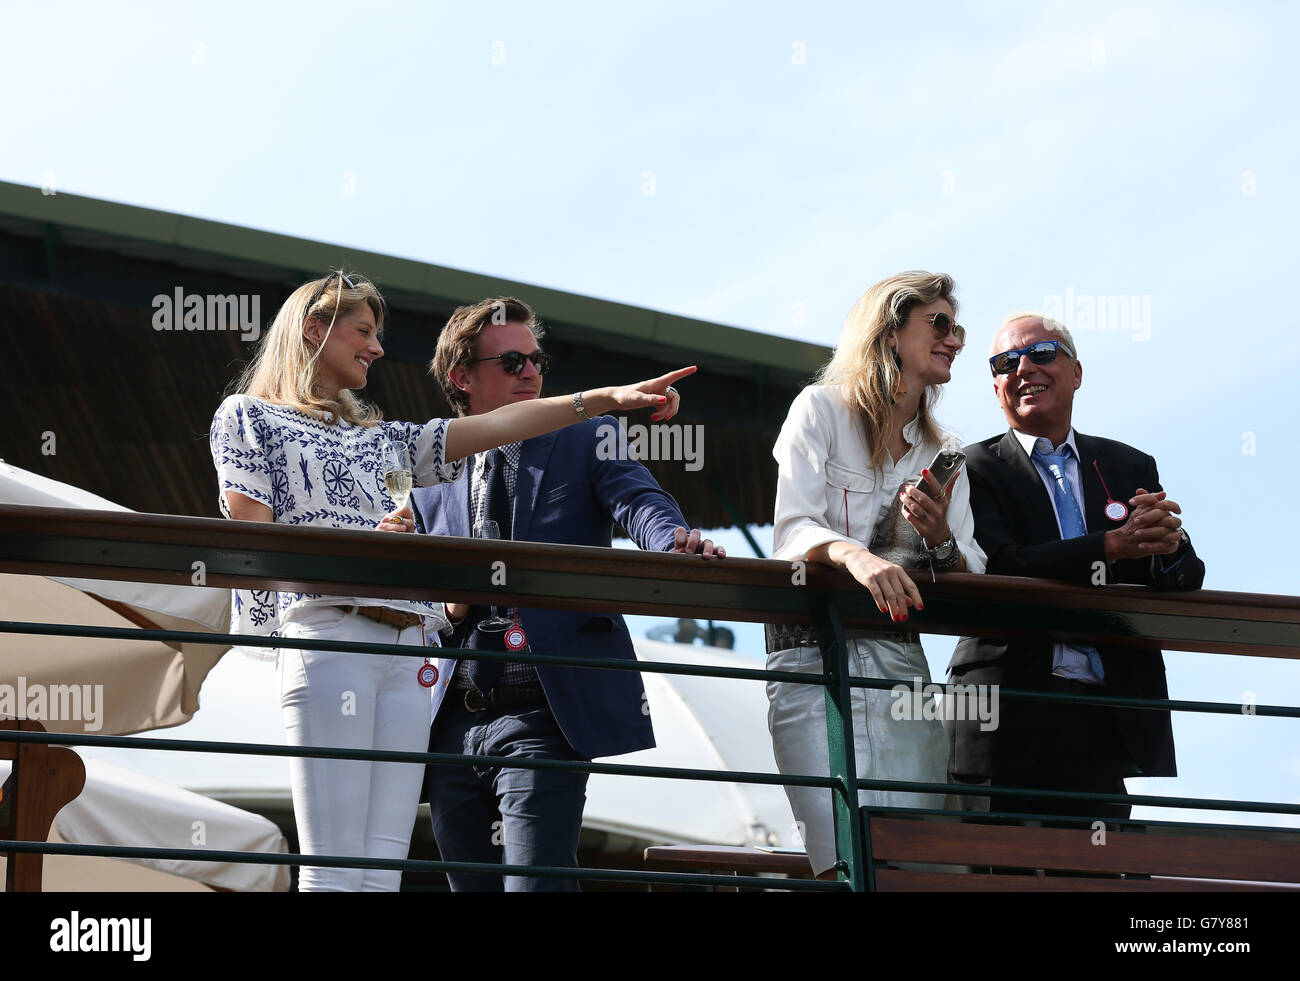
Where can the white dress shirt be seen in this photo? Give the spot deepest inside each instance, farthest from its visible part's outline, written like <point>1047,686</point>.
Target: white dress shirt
<point>1067,661</point>
<point>826,488</point>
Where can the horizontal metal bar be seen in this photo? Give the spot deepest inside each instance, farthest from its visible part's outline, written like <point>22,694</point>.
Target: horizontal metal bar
<point>1021,694</point>
<point>403,650</point>
<point>397,756</point>
<point>650,667</point>
<point>619,769</point>
<point>420,865</point>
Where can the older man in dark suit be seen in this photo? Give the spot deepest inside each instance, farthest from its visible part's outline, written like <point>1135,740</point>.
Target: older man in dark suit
<point>1053,503</point>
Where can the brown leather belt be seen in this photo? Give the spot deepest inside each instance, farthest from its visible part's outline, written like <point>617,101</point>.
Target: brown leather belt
<point>382,614</point>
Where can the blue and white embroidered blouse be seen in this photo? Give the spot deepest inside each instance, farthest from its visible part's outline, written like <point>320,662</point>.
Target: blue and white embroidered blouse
<point>311,473</point>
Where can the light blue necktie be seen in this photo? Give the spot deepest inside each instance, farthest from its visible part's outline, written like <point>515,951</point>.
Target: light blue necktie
<point>1071,518</point>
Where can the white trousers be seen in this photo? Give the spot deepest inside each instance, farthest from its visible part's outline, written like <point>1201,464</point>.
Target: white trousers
<point>357,701</point>
<point>886,748</point>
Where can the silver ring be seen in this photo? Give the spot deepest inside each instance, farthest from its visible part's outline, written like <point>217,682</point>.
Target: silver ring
<point>674,391</point>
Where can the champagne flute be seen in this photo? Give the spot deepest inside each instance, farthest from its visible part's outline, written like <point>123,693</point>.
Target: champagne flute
<point>395,465</point>
<point>496,623</point>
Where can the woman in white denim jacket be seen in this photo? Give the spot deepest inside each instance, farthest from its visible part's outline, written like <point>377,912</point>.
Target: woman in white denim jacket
<point>847,445</point>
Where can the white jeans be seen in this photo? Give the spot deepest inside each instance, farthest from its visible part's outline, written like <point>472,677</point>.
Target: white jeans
<point>885,748</point>
<point>357,701</point>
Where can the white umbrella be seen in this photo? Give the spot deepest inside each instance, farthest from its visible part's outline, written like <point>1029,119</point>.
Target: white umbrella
<point>120,807</point>
<point>703,723</point>
<point>121,686</point>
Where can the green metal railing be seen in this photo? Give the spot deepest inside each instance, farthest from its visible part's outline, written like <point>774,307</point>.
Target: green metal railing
<point>165,549</point>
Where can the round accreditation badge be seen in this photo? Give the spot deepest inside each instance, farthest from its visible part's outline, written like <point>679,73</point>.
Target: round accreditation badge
<point>428,674</point>
<point>1115,510</point>
<point>516,639</point>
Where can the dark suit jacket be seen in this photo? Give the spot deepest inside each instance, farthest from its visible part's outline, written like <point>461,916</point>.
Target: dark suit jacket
<point>566,494</point>
<point>1016,527</point>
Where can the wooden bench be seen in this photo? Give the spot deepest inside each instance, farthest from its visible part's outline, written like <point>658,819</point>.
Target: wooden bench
<point>43,779</point>
<point>733,859</point>
<point>1015,858</point>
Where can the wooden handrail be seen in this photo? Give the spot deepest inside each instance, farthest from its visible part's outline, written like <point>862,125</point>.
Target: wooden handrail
<point>165,548</point>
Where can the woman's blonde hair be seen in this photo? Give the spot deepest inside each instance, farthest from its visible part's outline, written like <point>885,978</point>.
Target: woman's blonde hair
<point>867,372</point>
<point>284,369</point>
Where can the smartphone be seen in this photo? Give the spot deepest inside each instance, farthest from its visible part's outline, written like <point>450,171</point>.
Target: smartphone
<point>942,467</point>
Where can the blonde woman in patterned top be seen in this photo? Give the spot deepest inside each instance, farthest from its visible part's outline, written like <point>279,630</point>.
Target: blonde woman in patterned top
<point>297,446</point>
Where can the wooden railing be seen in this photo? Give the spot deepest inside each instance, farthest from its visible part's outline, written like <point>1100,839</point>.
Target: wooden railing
<point>179,550</point>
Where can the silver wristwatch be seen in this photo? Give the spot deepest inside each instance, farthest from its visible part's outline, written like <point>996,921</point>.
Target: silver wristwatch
<point>579,408</point>
<point>943,556</point>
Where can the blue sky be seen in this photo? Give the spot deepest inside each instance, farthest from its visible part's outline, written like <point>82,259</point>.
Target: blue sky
<point>761,165</point>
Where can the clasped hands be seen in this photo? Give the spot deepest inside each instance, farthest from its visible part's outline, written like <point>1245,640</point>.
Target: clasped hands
<point>1152,528</point>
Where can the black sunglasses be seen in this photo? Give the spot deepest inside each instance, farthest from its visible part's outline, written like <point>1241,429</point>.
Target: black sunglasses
<point>944,325</point>
<point>1043,352</point>
<point>329,278</point>
<point>514,361</point>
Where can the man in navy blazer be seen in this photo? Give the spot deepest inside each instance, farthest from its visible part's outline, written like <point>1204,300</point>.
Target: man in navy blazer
<point>560,490</point>
<point>1042,497</point>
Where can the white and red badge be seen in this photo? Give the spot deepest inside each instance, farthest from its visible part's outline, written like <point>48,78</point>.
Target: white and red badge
<point>428,674</point>
<point>516,639</point>
<point>1115,510</point>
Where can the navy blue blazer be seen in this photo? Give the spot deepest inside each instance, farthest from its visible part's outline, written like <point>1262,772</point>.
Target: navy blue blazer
<point>566,495</point>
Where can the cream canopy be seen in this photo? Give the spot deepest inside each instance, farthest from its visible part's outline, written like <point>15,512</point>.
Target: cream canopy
<point>145,684</point>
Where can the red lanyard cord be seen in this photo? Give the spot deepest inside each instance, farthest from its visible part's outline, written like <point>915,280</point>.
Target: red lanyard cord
<point>1103,481</point>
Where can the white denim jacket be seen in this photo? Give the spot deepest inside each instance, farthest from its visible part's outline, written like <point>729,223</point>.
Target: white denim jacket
<point>827,491</point>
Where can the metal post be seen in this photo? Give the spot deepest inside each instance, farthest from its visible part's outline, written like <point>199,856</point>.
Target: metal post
<point>739,519</point>
<point>839,739</point>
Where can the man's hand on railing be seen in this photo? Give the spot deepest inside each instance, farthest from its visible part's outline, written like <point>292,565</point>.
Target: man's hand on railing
<point>692,542</point>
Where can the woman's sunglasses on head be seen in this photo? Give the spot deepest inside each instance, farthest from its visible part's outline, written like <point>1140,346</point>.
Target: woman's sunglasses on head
<point>344,280</point>
<point>1043,352</point>
<point>513,361</point>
